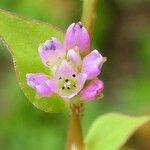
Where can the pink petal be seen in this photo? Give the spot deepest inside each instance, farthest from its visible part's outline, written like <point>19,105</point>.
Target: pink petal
<point>92,64</point>
<point>82,78</point>
<point>70,38</point>
<point>44,90</point>
<point>74,57</point>
<point>91,91</point>
<point>77,35</point>
<point>52,84</point>
<point>38,82</point>
<point>64,69</point>
<point>51,51</point>
<point>83,39</point>
<point>34,80</point>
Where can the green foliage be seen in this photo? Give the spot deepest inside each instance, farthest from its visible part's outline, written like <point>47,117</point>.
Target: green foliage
<point>111,131</point>
<point>23,38</point>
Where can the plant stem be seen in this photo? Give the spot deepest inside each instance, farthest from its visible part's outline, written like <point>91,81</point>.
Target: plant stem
<point>89,14</point>
<point>75,137</point>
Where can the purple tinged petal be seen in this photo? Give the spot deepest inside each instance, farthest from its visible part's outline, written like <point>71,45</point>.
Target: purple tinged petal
<point>92,64</point>
<point>74,57</point>
<point>44,90</point>
<point>38,82</point>
<point>64,69</point>
<point>34,80</point>
<point>83,40</point>
<point>51,51</point>
<point>93,90</point>
<point>82,77</point>
<point>77,35</point>
<point>52,84</point>
<point>70,37</point>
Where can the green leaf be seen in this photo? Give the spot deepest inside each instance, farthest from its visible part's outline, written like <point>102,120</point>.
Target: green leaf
<point>111,131</point>
<point>22,37</point>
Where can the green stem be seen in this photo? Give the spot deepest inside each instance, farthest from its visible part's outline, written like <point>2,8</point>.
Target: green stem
<point>75,137</point>
<point>89,14</point>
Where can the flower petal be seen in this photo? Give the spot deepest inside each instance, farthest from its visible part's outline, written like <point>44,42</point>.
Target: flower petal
<point>82,78</point>
<point>70,38</point>
<point>38,82</point>
<point>91,91</point>
<point>52,84</point>
<point>64,69</point>
<point>34,80</point>
<point>74,57</point>
<point>51,51</point>
<point>83,39</point>
<point>92,64</point>
<point>77,35</point>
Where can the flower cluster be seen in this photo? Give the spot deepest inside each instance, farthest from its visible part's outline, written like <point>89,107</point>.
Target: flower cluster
<point>74,67</point>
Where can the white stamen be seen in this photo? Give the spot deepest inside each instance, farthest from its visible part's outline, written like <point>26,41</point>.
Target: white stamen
<point>65,85</point>
<point>68,83</point>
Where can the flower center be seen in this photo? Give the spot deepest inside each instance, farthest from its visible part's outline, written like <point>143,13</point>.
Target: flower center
<point>67,84</point>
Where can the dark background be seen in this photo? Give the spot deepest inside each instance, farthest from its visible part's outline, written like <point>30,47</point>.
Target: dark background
<point>122,33</point>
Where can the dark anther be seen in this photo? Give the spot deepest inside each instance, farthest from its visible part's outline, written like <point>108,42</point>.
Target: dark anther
<point>60,78</point>
<point>74,85</point>
<point>77,24</point>
<point>80,24</point>
<point>66,80</point>
<point>74,75</point>
<point>68,88</point>
<point>63,88</point>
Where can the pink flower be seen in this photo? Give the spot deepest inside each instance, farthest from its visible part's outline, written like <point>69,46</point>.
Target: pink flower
<point>75,68</point>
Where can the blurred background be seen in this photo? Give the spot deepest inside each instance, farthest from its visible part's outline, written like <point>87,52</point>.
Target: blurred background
<point>122,33</point>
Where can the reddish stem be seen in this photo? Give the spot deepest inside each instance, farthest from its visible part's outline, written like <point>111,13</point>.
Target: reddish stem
<point>75,137</point>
